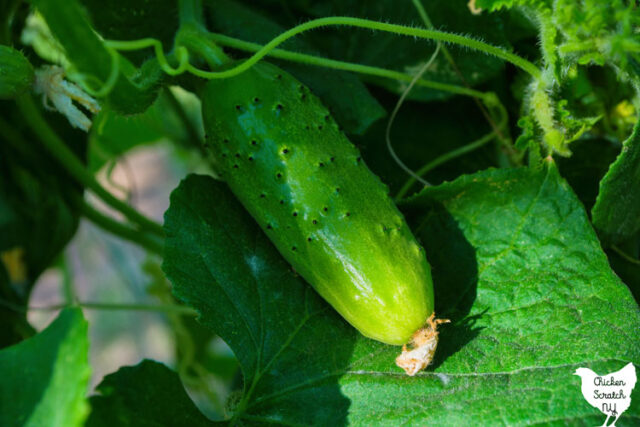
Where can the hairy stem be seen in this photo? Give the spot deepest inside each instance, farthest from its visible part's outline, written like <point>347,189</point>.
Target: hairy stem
<point>445,37</point>
<point>378,26</point>
<point>342,65</point>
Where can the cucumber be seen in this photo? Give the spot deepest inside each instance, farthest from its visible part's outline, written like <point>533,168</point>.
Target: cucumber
<point>16,72</point>
<point>304,182</point>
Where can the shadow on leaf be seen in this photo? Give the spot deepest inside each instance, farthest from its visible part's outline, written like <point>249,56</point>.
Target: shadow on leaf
<point>454,269</point>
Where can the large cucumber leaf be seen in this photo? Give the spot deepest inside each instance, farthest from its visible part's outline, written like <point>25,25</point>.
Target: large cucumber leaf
<point>517,267</point>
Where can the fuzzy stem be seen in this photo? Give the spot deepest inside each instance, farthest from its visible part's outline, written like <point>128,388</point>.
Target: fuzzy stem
<point>378,26</point>
<point>342,65</point>
<point>445,37</point>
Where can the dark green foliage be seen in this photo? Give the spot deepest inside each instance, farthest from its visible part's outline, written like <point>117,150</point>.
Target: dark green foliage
<point>149,394</point>
<point>616,213</point>
<point>16,73</point>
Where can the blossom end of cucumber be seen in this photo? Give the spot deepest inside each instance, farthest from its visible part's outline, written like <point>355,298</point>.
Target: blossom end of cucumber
<point>419,352</point>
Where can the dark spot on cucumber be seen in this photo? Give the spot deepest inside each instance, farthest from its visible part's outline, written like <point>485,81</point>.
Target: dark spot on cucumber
<point>206,136</point>
<point>251,158</point>
<point>256,99</point>
<point>384,228</point>
<point>303,96</point>
<point>285,151</point>
<point>279,107</point>
<point>238,107</point>
<point>262,196</point>
<point>319,127</point>
<point>333,159</point>
<point>327,118</point>
<point>325,209</point>
<point>235,166</point>
<point>307,127</point>
<point>321,164</point>
<point>315,221</point>
<point>358,159</point>
<point>347,214</point>
<point>293,248</point>
<point>278,76</point>
<point>253,142</point>
<point>278,175</point>
<point>295,214</point>
<point>309,239</point>
<point>337,190</point>
<point>226,141</point>
<point>224,155</point>
<point>282,202</point>
<point>269,227</point>
<point>237,155</point>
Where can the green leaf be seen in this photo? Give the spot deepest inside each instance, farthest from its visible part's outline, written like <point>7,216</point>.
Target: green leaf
<point>148,394</point>
<point>45,378</point>
<point>616,213</point>
<point>351,104</point>
<point>516,266</point>
<point>223,265</point>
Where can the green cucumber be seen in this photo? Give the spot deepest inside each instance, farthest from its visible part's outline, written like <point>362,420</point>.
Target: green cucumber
<point>16,73</point>
<point>292,168</point>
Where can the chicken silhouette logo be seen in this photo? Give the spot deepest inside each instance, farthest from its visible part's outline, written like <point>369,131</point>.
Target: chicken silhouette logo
<point>611,393</point>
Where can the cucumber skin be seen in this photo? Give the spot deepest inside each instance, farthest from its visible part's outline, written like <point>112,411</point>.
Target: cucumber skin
<point>305,184</point>
<point>16,73</point>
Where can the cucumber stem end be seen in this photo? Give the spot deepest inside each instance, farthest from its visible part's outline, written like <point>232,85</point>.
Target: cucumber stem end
<point>419,352</point>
